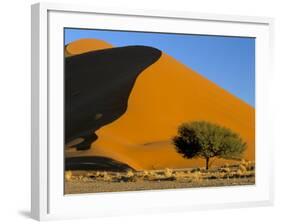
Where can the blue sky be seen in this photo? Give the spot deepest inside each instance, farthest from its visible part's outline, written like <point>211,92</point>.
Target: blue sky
<point>227,61</point>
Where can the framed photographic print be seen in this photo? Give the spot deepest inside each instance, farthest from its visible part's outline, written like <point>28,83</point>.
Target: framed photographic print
<point>147,111</point>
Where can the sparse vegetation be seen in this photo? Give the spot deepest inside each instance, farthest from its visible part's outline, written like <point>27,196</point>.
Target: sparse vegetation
<point>235,174</point>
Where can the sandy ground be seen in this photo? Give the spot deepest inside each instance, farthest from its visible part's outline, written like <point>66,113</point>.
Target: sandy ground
<point>96,181</point>
<point>80,186</point>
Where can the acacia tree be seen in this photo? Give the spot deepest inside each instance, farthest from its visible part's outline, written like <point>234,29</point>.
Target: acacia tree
<point>206,140</point>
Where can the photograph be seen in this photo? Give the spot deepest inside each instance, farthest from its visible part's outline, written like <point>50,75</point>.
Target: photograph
<point>153,110</point>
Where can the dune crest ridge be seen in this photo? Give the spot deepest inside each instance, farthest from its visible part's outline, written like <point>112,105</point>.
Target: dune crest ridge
<point>85,45</point>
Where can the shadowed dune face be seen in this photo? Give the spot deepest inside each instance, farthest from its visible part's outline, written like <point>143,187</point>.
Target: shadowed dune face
<point>95,163</point>
<point>97,88</point>
<point>163,96</point>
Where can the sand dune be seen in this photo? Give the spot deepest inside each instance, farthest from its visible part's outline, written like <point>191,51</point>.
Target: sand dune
<point>164,95</point>
<point>97,88</point>
<point>85,45</point>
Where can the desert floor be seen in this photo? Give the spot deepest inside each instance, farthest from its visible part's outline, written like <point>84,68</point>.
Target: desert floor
<point>77,182</point>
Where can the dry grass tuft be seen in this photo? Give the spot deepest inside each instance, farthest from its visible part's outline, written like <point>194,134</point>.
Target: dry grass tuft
<point>181,175</point>
<point>242,168</point>
<point>130,174</point>
<point>196,176</point>
<point>106,176</point>
<point>168,173</point>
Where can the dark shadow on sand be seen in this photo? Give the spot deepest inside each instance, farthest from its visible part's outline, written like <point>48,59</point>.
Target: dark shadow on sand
<point>95,163</point>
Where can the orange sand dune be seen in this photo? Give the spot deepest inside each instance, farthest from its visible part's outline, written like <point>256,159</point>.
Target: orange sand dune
<point>165,95</point>
<point>85,45</point>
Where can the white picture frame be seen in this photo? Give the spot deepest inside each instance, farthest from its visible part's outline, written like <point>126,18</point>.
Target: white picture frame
<point>48,200</point>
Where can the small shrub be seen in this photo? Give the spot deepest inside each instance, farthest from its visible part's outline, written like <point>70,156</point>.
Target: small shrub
<point>242,168</point>
<point>145,172</point>
<point>130,174</point>
<point>196,175</point>
<point>152,173</point>
<point>139,174</point>
<point>250,165</point>
<point>117,178</point>
<point>223,175</point>
<point>179,175</point>
<point>106,176</point>
<point>118,175</point>
<point>153,176</point>
<point>142,174</point>
<point>243,161</point>
<point>127,177</point>
<point>225,170</point>
<point>240,173</point>
<point>168,173</point>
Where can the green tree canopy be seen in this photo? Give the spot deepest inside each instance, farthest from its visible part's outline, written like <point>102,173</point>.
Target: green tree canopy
<point>206,140</point>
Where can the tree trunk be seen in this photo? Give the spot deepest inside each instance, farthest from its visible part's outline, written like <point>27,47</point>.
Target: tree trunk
<point>207,163</point>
